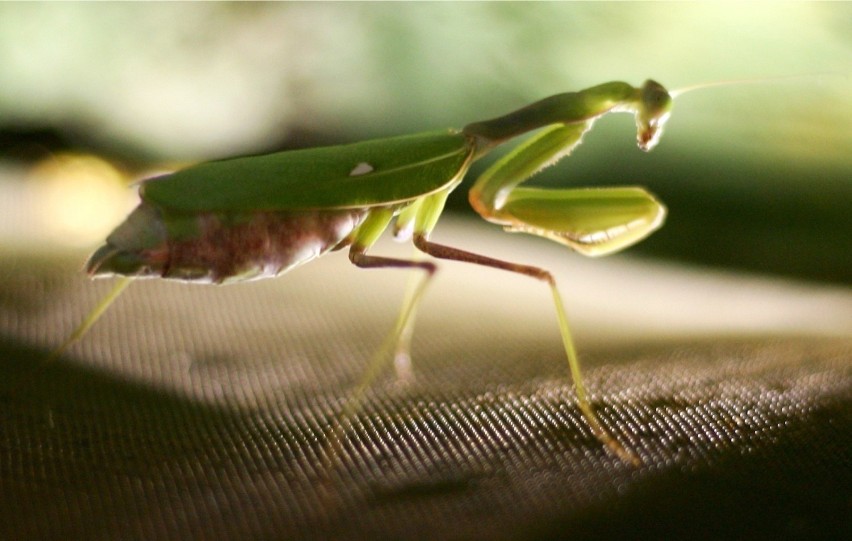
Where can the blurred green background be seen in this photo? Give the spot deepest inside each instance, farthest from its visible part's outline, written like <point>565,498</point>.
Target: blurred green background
<point>756,177</point>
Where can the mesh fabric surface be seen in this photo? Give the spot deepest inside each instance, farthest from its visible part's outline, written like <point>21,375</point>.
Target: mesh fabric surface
<point>202,413</point>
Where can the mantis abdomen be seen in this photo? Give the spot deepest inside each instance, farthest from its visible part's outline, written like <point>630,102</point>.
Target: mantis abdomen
<point>220,247</point>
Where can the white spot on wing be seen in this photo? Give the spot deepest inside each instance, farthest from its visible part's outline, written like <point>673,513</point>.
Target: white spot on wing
<point>361,169</point>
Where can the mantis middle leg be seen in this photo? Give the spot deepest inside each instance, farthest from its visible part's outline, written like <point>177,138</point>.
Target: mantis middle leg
<point>446,252</point>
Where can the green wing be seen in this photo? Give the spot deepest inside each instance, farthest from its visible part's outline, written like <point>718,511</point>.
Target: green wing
<point>369,173</point>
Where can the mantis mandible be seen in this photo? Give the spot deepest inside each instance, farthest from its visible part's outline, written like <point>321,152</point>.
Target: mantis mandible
<point>257,217</point>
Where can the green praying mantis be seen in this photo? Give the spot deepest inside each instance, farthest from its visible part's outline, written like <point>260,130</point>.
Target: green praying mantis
<point>257,217</point>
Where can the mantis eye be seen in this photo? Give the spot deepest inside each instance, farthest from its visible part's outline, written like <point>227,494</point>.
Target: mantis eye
<point>654,110</point>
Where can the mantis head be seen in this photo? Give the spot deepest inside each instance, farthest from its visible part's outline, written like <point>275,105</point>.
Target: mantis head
<point>654,108</point>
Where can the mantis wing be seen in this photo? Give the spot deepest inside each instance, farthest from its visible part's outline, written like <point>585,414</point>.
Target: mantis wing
<point>365,174</point>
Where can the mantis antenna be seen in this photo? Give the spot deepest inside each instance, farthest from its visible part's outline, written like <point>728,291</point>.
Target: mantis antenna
<point>747,81</point>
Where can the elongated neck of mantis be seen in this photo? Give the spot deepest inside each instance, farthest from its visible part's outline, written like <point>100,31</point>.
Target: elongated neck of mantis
<point>566,108</point>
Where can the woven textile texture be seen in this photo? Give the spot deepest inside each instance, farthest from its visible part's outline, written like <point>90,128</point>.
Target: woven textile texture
<point>203,413</point>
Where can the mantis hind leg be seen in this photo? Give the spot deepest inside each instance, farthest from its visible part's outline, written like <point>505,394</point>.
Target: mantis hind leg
<point>414,291</point>
<point>91,318</point>
<point>399,338</point>
<point>396,341</point>
<point>78,333</point>
<point>446,252</point>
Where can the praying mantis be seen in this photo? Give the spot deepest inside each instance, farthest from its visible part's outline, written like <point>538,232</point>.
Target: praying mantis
<point>258,217</point>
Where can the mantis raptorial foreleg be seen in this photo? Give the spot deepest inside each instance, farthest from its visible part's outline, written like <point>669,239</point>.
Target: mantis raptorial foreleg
<point>592,221</point>
<point>494,186</point>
